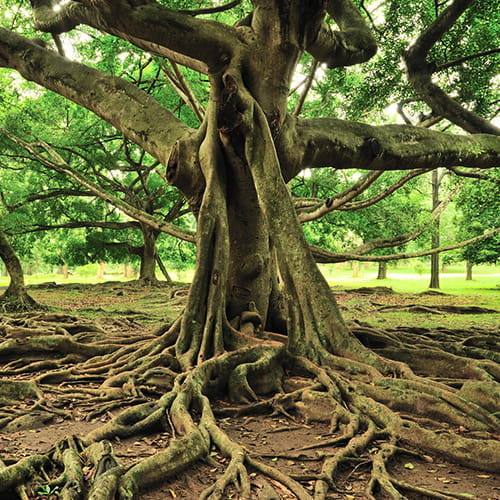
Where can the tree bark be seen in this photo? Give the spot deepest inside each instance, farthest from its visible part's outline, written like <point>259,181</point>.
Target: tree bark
<point>468,271</point>
<point>16,297</point>
<point>435,238</point>
<point>382,270</point>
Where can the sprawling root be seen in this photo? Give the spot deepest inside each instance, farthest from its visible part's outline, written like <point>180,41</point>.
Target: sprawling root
<point>59,361</point>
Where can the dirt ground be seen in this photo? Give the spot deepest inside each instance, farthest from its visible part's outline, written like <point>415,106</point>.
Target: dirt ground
<point>293,444</point>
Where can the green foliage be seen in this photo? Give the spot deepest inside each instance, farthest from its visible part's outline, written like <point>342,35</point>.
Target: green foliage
<point>479,211</point>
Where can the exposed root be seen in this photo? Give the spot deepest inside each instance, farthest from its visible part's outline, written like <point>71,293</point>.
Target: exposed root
<point>363,409</point>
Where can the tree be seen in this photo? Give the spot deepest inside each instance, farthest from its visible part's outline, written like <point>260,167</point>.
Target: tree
<point>258,303</point>
<point>16,297</point>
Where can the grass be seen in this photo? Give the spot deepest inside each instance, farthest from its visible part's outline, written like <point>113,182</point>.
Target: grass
<point>408,280</point>
<point>486,280</point>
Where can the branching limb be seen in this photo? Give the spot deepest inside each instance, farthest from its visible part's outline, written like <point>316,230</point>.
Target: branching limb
<point>335,202</point>
<point>121,103</point>
<point>326,256</point>
<point>57,163</point>
<point>420,72</point>
<point>353,44</point>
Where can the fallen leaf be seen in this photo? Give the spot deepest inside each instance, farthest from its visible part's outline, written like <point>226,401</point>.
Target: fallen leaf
<point>409,465</point>
<point>484,476</point>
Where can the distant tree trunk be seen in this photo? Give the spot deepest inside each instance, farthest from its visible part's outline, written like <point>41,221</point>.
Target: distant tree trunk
<point>355,269</point>
<point>468,269</point>
<point>65,271</point>
<point>15,298</point>
<point>382,271</point>
<point>148,256</point>
<point>128,272</point>
<point>101,270</point>
<point>434,283</point>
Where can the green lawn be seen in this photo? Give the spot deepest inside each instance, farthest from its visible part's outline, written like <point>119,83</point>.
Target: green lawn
<point>404,279</point>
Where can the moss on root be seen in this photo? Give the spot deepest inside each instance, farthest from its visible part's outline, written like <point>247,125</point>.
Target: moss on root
<point>365,410</point>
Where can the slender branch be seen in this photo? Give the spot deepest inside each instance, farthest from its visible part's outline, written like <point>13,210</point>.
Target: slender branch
<point>117,226</point>
<point>211,10</point>
<point>357,205</point>
<point>473,175</point>
<point>420,72</point>
<point>457,62</point>
<point>307,86</point>
<point>324,256</point>
<point>176,78</point>
<point>57,163</point>
<point>333,203</point>
<point>53,193</point>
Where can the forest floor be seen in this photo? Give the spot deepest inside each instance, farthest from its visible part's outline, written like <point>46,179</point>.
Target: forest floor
<point>293,445</point>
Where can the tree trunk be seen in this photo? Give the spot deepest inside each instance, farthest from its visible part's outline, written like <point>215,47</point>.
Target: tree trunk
<point>147,273</point>
<point>382,270</point>
<point>355,269</point>
<point>16,297</point>
<point>468,271</point>
<point>128,270</point>
<point>435,241</point>
<point>101,270</point>
<point>65,271</point>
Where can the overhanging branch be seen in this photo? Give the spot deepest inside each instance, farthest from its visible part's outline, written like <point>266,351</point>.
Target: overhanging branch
<point>329,142</point>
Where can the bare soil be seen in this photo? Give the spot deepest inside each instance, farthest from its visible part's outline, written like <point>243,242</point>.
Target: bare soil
<point>292,443</point>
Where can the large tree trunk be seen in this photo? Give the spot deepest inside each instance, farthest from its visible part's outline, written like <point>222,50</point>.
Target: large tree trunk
<point>254,267</point>
<point>16,297</point>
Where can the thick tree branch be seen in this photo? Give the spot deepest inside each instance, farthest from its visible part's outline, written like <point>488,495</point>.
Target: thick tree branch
<point>203,40</point>
<point>322,142</point>
<point>117,101</point>
<point>353,44</point>
<point>420,72</point>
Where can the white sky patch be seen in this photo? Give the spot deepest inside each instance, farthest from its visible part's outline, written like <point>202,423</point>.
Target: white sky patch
<point>299,79</point>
